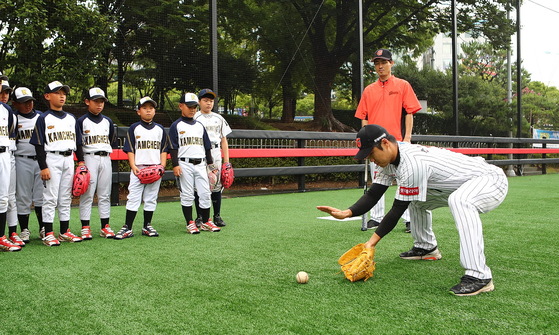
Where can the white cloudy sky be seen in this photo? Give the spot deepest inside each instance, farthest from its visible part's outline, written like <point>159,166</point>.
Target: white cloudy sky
<point>539,20</point>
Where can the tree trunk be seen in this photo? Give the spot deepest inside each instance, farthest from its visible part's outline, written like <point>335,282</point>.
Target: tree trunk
<point>289,104</point>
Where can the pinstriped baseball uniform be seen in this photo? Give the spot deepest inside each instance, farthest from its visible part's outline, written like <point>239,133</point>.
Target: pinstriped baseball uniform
<point>432,177</point>
<point>217,128</point>
<point>191,139</point>
<point>56,132</point>
<point>29,187</point>
<point>7,127</point>
<point>98,136</point>
<point>147,141</point>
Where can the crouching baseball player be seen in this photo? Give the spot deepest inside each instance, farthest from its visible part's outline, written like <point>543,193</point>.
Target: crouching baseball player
<point>146,145</point>
<point>191,154</point>
<point>429,178</point>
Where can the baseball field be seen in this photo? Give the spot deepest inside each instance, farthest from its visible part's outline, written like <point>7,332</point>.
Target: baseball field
<point>242,279</point>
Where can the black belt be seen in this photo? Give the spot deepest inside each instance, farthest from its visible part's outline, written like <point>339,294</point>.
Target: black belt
<point>193,161</point>
<point>3,149</point>
<point>215,145</point>
<point>63,153</point>
<point>98,153</point>
<point>30,157</point>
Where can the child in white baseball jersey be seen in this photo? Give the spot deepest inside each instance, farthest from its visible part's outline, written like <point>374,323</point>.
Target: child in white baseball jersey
<point>56,138</point>
<point>29,186</point>
<point>217,129</point>
<point>146,144</point>
<point>430,178</point>
<point>191,153</point>
<point>12,207</point>
<point>7,127</point>
<point>98,137</point>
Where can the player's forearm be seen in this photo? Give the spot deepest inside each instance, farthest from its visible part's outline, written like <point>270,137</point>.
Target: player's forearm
<point>225,150</point>
<point>364,122</point>
<point>408,126</point>
<point>163,158</point>
<point>368,200</point>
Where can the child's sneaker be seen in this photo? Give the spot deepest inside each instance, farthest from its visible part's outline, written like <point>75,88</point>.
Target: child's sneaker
<point>50,241</point>
<point>191,228</point>
<point>209,226</point>
<point>15,239</point>
<point>107,232</point>
<point>86,233</point>
<point>42,234</point>
<point>124,232</point>
<point>25,235</point>
<point>149,231</point>
<point>6,245</point>
<point>69,237</point>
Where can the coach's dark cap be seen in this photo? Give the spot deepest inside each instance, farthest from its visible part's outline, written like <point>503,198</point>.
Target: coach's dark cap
<point>6,86</point>
<point>145,100</point>
<point>382,54</point>
<point>56,86</point>
<point>206,92</point>
<point>367,138</point>
<point>189,99</point>
<point>95,93</point>
<point>22,94</point>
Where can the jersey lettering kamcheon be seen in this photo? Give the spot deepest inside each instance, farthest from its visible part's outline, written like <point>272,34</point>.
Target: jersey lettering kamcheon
<point>190,141</point>
<point>96,139</point>
<point>147,141</point>
<point>4,131</point>
<point>56,131</point>
<point>67,135</point>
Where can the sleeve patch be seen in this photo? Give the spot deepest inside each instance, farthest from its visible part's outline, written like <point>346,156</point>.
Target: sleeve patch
<point>409,190</point>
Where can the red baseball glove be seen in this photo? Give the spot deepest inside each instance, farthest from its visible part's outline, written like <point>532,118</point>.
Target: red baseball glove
<point>227,175</point>
<point>82,178</point>
<point>151,174</point>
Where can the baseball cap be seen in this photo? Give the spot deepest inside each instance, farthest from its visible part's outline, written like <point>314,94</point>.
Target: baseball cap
<point>144,100</point>
<point>382,54</point>
<point>2,76</point>
<point>6,86</point>
<point>206,91</point>
<point>190,99</point>
<point>96,93</point>
<point>22,94</point>
<point>367,138</point>
<point>56,86</point>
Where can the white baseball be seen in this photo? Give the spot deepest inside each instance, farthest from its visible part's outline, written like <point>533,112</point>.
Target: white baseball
<point>302,277</point>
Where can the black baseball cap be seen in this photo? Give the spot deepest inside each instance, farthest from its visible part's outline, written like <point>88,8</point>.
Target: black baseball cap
<point>95,93</point>
<point>382,54</point>
<point>367,138</point>
<point>206,92</point>
<point>22,94</point>
<point>145,100</point>
<point>56,86</point>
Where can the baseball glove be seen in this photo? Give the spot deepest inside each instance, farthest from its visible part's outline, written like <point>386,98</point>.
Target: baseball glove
<point>151,174</point>
<point>358,263</point>
<point>227,175</point>
<point>82,178</point>
<point>213,177</point>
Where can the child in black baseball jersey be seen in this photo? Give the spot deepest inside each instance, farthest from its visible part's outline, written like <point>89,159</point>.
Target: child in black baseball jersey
<point>191,154</point>
<point>98,137</point>
<point>56,138</point>
<point>146,144</point>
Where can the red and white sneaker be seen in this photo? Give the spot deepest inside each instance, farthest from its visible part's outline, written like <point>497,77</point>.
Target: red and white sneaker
<point>191,228</point>
<point>86,233</point>
<point>6,245</point>
<point>209,226</point>
<point>15,239</point>
<point>42,234</point>
<point>50,241</point>
<point>107,232</point>
<point>69,237</point>
<point>25,235</point>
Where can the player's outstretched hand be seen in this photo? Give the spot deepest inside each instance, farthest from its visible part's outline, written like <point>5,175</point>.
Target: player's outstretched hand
<point>337,213</point>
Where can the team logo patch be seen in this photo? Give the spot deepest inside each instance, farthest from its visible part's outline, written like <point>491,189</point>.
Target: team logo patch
<point>379,52</point>
<point>50,127</point>
<point>138,136</point>
<point>409,190</point>
<point>358,142</point>
<point>87,131</point>
<point>181,132</point>
<point>20,126</point>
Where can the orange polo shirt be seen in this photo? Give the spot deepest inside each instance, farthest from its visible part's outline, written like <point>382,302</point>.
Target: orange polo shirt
<point>382,102</point>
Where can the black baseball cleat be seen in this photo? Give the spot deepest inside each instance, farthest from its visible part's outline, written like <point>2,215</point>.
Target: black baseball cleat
<point>472,286</point>
<point>219,221</point>
<point>418,253</point>
<point>408,229</point>
<point>372,224</point>
<point>198,222</point>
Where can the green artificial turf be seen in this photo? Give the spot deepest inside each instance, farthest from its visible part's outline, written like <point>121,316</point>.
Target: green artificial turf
<point>242,279</point>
